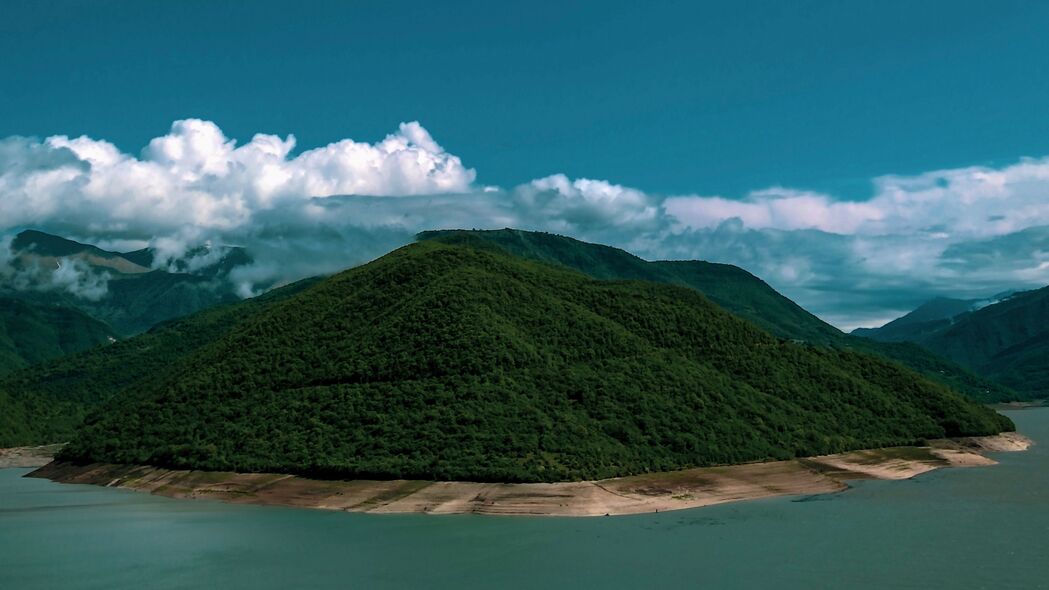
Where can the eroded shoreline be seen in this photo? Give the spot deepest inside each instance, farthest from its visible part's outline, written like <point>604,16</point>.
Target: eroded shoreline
<point>28,456</point>
<point>654,492</point>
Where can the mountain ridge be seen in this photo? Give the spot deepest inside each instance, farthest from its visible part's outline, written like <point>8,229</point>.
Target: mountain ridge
<point>442,361</point>
<point>731,287</point>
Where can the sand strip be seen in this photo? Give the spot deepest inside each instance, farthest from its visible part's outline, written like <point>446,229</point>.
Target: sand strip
<point>28,456</point>
<point>653,492</point>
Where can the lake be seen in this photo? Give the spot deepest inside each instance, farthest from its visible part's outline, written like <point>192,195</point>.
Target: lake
<point>956,528</point>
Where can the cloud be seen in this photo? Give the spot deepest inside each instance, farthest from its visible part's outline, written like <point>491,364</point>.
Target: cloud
<point>967,231</point>
<point>196,176</point>
<point>67,275</point>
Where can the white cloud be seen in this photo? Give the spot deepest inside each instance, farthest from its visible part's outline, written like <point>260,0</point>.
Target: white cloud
<point>196,176</point>
<point>965,231</point>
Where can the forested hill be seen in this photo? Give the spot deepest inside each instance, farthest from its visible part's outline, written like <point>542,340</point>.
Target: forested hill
<point>439,361</point>
<point>45,403</point>
<point>1007,341</point>
<point>730,287</point>
<point>33,332</point>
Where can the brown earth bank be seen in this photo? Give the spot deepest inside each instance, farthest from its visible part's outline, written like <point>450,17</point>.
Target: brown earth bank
<point>1038,403</point>
<point>28,456</point>
<point>652,492</point>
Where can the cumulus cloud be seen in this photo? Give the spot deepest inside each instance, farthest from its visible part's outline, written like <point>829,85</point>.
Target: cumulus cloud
<point>968,231</point>
<point>196,176</point>
<point>965,232</point>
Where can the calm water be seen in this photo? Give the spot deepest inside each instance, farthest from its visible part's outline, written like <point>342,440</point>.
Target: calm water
<point>975,528</point>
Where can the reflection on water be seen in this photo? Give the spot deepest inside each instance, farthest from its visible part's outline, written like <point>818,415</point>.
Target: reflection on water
<point>960,528</point>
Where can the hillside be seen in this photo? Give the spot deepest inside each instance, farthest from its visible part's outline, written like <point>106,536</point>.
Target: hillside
<point>51,399</point>
<point>728,286</point>
<point>136,296</point>
<point>926,319</point>
<point>1007,341</point>
<point>32,333</point>
<point>446,362</point>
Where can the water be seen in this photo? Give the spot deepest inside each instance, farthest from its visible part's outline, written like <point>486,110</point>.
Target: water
<point>959,528</point>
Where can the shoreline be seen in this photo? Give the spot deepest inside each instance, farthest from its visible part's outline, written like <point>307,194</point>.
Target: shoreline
<point>653,492</point>
<point>28,456</point>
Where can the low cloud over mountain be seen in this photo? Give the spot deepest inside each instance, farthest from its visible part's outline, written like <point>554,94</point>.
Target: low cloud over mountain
<point>964,232</point>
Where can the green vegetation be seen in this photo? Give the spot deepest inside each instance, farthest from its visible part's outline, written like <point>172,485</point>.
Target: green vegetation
<point>45,403</point>
<point>441,361</point>
<point>1007,341</point>
<point>929,317</point>
<point>730,287</point>
<point>31,333</point>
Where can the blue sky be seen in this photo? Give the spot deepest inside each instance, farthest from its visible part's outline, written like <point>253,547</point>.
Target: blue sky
<point>815,100</point>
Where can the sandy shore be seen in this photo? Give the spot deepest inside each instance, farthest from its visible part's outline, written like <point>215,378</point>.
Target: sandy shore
<point>626,495</point>
<point>28,456</point>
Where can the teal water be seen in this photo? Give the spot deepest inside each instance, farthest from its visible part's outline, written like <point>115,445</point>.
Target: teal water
<point>958,528</point>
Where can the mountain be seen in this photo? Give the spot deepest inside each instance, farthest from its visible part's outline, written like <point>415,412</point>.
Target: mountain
<point>122,289</point>
<point>729,286</point>
<point>930,317</point>
<point>1007,341</point>
<point>1004,338</point>
<point>31,333</point>
<point>443,361</point>
<point>50,400</point>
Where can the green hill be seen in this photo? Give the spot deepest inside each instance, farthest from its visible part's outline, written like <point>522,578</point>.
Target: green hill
<point>51,399</point>
<point>441,361</point>
<point>730,287</point>
<point>1007,341</point>
<point>32,333</point>
<point>928,318</point>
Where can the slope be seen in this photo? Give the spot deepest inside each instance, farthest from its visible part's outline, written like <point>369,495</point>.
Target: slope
<point>448,362</point>
<point>32,333</point>
<point>728,286</point>
<point>928,318</point>
<point>45,403</point>
<point>1006,341</point>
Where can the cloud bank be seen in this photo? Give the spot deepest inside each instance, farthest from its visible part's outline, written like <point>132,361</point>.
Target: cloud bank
<point>967,231</point>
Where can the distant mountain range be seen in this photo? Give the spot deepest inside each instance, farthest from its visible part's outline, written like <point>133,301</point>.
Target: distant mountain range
<point>126,292</point>
<point>930,317</point>
<point>1004,338</point>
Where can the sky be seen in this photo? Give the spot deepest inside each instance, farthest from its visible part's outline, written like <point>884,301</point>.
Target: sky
<point>860,157</point>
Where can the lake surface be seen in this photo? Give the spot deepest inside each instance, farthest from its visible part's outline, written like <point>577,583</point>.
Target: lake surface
<point>957,528</point>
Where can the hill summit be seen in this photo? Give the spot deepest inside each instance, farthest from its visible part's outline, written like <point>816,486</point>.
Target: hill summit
<point>449,362</point>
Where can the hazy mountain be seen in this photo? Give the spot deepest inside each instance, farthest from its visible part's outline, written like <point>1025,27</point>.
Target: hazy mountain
<point>1004,338</point>
<point>1007,341</point>
<point>930,317</point>
<point>124,290</point>
<point>442,361</point>
<point>730,287</point>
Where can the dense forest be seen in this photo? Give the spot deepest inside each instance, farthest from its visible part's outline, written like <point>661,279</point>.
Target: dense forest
<point>45,403</point>
<point>441,361</point>
<point>733,289</point>
<point>32,333</point>
<point>1004,337</point>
